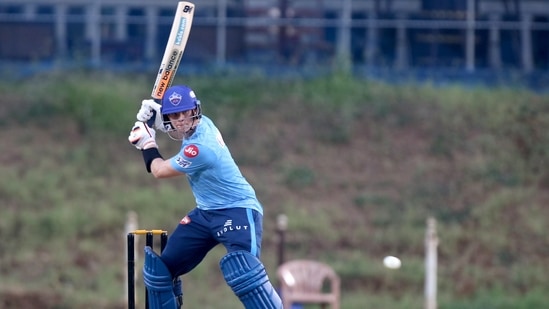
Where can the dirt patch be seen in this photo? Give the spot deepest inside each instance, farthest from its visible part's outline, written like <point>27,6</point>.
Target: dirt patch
<point>23,299</point>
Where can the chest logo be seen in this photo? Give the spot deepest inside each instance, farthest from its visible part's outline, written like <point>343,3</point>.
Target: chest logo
<point>190,151</point>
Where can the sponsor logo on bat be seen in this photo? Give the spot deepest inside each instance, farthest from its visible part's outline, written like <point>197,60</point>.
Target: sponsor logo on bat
<point>187,9</point>
<point>167,73</point>
<point>181,31</point>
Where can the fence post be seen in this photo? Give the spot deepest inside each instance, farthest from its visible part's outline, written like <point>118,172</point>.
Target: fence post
<point>61,34</point>
<point>221,32</point>
<point>526,42</point>
<point>495,40</point>
<point>151,34</point>
<point>281,226</point>
<point>344,34</point>
<point>431,243</point>
<point>470,41</point>
<point>93,31</point>
<point>402,52</point>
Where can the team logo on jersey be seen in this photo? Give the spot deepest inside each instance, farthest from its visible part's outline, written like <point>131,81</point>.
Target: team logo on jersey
<point>175,98</point>
<point>182,162</point>
<point>190,151</point>
<point>185,220</point>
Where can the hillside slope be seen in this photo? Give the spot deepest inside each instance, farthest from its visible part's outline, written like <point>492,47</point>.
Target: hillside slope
<point>357,166</point>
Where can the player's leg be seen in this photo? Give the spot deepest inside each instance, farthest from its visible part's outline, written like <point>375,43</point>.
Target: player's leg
<point>248,279</point>
<point>240,231</point>
<point>189,243</point>
<point>185,249</point>
<point>178,291</point>
<point>159,282</point>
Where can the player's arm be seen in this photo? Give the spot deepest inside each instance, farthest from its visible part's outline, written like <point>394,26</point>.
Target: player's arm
<point>143,138</point>
<point>191,158</point>
<point>161,168</point>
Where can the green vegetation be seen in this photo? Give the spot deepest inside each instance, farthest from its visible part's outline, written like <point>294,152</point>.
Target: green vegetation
<point>358,166</point>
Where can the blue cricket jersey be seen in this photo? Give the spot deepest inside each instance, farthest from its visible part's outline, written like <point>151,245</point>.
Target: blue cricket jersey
<point>214,177</point>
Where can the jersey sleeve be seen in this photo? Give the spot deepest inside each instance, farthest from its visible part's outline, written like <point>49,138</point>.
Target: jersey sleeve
<point>192,158</point>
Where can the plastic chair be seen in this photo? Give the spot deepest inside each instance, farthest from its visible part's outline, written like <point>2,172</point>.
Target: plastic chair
<point>308,282</point>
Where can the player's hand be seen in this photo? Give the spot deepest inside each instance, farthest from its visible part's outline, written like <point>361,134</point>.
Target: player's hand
<point>149,108</point>
<point>142,137</point>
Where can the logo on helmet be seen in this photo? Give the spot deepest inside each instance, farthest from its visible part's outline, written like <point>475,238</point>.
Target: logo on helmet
<point>175,98</point>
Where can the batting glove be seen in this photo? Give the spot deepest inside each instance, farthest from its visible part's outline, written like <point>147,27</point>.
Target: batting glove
<point>142,137</point>
<point>149,108</point>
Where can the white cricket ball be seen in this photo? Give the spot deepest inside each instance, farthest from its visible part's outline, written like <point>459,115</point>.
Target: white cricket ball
<point>392,262</point>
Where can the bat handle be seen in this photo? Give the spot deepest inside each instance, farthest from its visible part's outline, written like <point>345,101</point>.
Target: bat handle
<point>150,122</point>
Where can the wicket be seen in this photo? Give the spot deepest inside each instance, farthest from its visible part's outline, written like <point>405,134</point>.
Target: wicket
<point>149,237</point>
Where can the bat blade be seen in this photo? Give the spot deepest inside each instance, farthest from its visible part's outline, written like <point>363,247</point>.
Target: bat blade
<point>179,35</point>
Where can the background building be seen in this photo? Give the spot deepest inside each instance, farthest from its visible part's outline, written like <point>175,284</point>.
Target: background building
<point>401,34</point>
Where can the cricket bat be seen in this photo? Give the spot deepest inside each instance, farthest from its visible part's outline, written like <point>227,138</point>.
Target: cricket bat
<point>179,34</point>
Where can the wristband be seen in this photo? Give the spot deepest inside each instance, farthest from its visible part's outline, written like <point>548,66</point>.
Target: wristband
<point>149,155</point>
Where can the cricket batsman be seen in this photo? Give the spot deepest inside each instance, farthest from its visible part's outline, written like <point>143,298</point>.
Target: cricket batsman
<point>227,210</point>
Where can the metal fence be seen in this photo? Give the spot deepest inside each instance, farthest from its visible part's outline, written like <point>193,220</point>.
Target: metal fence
<point>402,34</point>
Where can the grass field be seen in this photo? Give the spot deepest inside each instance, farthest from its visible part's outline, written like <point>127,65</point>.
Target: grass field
<point>356,165</point>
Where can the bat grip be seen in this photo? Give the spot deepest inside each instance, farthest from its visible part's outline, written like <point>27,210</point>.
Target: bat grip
<point>151,121</point>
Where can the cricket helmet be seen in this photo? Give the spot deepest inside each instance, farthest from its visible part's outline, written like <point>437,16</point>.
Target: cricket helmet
<point>179,98</point>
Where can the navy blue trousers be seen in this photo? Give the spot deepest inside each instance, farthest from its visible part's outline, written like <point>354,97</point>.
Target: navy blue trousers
<point>201,230</point>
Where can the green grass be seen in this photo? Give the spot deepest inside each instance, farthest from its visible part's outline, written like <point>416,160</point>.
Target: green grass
<point>357,166</point>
